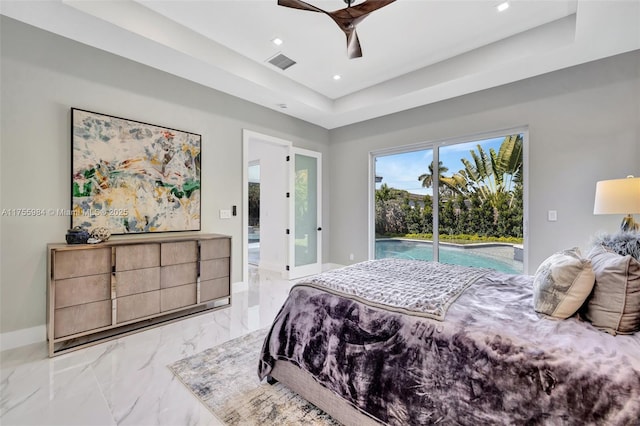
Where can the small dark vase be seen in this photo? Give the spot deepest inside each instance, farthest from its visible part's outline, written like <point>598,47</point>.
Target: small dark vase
<point>77,235</point>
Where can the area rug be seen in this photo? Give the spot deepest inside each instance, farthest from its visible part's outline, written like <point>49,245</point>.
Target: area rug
<point>225,379</point>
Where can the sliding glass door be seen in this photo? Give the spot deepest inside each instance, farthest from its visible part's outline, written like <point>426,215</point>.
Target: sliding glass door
<point>455,202</point>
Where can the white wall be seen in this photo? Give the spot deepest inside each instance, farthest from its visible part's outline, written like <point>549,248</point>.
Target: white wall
<point>583,127</point>
<point>42,76</point>
<point>273,203</point>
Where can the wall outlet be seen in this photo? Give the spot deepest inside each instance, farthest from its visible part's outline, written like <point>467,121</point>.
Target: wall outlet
<point>225,214</point>
<point>351,256</point>
<point>552,215</point>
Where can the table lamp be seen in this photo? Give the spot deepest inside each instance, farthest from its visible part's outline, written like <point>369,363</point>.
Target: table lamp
<point>619,196</point>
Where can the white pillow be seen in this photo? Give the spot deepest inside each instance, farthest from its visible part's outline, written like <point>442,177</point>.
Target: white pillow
<point>562,283</point>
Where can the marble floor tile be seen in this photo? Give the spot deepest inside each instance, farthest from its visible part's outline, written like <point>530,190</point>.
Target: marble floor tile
<point>126,381</point>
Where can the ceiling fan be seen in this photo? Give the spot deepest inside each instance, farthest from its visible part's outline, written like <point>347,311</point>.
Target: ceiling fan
<point>346,18</point>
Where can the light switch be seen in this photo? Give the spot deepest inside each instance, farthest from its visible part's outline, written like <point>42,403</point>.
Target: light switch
<point>225,214</point>
<point>552,215</point>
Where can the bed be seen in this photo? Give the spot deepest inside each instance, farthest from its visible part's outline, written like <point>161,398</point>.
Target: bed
<point>403,342</point>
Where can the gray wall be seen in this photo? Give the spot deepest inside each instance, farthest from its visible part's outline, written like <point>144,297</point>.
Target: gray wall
<point>42,76</point>
<point>583,127</point>
<point>583,123</point>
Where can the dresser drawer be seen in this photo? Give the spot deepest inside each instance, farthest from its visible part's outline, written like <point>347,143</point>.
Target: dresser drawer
<point>137,281</point>
<point>137,256</point>
<point>214,289</point>
<point>79,318</point>
<point>80,263</point>
<point>179,252</point>
<point>96,292</point>
<point>175,275</point>
<point>216,268</point>
<point>215,249</point>
<point>76,291</point>
<point>137,306</point>
<point>177,297</point>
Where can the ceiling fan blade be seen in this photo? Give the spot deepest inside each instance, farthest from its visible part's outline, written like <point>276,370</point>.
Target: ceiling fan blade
<point>361,10</point>
<point>299,4</point>
<point>353,44</point>
<point>346,18</point>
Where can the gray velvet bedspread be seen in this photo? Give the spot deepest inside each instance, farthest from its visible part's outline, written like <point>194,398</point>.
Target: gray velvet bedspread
<point>493,361</point>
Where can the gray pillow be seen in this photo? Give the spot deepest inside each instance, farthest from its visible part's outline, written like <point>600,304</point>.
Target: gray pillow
<point>614,305</point>
<point>562,283</point>
<point>623,243</point>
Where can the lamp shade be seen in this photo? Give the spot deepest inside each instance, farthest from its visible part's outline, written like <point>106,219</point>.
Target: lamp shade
<point>617,196</point>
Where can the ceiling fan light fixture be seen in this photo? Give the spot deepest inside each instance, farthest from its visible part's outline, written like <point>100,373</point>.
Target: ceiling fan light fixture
<point>503,6</point>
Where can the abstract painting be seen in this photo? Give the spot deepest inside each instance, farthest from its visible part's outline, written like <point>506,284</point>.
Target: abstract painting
<point>133,177</point>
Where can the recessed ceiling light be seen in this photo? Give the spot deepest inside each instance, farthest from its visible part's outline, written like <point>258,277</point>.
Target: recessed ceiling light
<point>337,77</point>
<point>283,106</point>
<point>277,41</point>
<point>503,6</point>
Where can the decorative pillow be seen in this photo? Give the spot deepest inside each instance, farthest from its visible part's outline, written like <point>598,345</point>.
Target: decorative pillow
<point>614,305</point>
<point>562,283</point>
<point>623,243</point>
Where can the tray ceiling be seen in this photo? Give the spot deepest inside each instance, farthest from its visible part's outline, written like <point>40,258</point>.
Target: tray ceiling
<point>415,52</point>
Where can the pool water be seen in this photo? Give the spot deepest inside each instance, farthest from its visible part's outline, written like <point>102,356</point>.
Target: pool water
<point>486,257</point>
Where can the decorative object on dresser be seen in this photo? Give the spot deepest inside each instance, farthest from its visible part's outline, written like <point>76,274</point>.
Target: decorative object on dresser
<point>133,177</point>
<point>77,235</point>
<point>100,233</point>
<point>103,291</point>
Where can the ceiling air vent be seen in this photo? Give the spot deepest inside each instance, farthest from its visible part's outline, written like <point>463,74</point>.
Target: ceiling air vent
<point>281,61</point>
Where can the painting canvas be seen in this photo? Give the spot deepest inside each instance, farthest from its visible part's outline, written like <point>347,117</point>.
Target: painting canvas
<point>133,177</point>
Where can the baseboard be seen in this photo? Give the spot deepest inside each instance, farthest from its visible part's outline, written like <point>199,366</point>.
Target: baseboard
<point>23,337</point>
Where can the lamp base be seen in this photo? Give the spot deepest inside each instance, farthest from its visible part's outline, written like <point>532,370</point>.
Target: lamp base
<point>629,225</point>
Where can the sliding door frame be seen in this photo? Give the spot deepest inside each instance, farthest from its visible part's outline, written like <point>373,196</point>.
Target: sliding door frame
<point>435,145</point>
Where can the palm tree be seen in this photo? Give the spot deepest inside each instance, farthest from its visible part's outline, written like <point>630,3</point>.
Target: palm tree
<point>481,174</point>
<point>449,186</point>
<point>493,176</point>
<point>384,193</point>
<point>427,178</point>
<point>510,159</point>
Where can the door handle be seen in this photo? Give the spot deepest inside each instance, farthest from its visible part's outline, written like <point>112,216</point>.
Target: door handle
<point>319,228</point>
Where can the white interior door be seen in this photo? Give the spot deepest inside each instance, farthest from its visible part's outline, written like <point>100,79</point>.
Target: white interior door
<point>305,213</point>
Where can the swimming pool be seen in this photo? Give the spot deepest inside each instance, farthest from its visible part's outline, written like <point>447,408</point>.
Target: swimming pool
<point>496,257</point>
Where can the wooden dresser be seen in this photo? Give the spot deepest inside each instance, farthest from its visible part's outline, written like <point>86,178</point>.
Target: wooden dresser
<point>107,290</point>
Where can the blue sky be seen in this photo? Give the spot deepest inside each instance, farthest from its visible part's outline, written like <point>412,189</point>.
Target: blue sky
<point>401,171</point>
